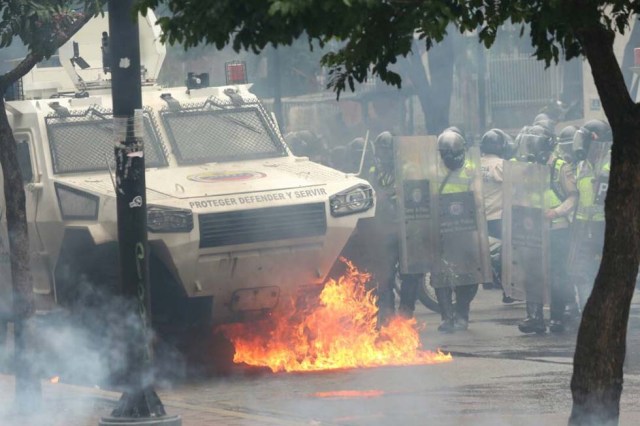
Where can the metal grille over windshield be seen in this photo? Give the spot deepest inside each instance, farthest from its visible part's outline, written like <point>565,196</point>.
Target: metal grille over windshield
<point>84,143</point>
<point>210,136</point>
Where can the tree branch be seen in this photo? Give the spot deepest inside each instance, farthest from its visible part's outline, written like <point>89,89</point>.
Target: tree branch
<point>33,58</point>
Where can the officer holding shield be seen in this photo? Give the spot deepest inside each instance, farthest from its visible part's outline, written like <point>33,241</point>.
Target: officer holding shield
<point>591,146</point>
<point>560,200</point>
<point>383,235</point>
<point>463,249</point>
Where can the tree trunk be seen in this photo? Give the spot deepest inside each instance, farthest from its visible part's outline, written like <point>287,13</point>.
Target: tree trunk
<point>441,60</point>
<point>27,382</point>
<point>28,389</point>
<point>597,379</point>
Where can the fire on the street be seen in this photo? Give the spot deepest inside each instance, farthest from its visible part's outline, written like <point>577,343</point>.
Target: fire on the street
<point>340,332</point>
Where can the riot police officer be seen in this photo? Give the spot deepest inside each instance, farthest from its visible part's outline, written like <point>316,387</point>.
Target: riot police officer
<point>305,143</point>
<point>591,147</point>
<point>458,179</point>
<point>354,154</point>
<point>382,236</point>
<point>338,158</point>
<point>560,201</point>
<point>297,144</point>
<point>493,145</point>
<point>564,148</point>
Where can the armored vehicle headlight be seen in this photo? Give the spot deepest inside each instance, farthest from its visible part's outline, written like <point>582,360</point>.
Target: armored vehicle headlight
<point>353,200</point>
<point>166,219</point>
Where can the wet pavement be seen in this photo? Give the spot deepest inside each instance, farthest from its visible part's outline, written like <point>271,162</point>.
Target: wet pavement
<point>498,377</point>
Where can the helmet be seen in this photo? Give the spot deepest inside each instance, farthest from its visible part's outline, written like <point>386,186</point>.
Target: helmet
<point>545,121</point>
<point>601,130</point>
<point>452,149</point>
<point>593,130</point>
<point>384,140</point>
<point>338,158</point>
<point>355,147</point>
<point>566,134</point>
<point>565,143</point>
<point>510,146</point>
<point>298,146</point>
<point>538,143</point>
<point>304,143</point>
<point>454,129</point>
<point>459,131</point>
<point>383,146</point>
<point>494,142</point>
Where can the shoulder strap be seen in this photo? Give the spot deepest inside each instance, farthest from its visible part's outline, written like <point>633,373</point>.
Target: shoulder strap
<point>444,181</point>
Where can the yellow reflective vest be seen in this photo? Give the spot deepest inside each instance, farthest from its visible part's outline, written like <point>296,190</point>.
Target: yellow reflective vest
<point>586,179</point>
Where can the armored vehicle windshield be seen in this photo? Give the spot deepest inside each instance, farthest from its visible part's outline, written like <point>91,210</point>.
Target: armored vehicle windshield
<point>83,143</point>
<point>203,135</point>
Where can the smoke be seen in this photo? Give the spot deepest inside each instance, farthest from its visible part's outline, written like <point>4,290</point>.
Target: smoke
<point>99,343</point>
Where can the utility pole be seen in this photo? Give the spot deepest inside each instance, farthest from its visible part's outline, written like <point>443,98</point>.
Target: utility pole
<point>274,75</point>
<point>139,403</point>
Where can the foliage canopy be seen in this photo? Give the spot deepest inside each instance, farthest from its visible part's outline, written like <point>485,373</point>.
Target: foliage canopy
<point>41,24</point>
<point>376,32</point>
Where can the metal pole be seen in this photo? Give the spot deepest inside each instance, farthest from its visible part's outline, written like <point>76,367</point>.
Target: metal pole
<point>274,71</point>
<point>139,402</point>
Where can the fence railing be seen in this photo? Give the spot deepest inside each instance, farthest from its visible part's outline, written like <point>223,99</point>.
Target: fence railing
<point>522,81</point>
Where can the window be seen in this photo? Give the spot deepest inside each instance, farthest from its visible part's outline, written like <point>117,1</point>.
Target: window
<point>24,160</point>
<point>85,143</point>
<point>200,135</point>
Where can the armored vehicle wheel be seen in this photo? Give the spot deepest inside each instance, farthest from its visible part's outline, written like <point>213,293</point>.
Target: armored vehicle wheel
<point>426,293</point>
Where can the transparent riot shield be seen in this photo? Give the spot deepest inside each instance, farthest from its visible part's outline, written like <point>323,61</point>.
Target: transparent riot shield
<point>464,242</point>
<point>415,164</point>
<point>525,232</point>
<point>587,235</point>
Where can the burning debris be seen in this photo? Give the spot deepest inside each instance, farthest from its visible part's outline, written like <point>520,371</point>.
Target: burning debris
<point>339,332</point>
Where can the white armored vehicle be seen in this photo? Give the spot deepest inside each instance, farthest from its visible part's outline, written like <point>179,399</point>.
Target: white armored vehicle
<point>237,225</point>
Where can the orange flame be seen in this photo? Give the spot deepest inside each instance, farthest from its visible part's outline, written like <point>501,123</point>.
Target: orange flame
<point>340,332</point>
<point>55,379</point>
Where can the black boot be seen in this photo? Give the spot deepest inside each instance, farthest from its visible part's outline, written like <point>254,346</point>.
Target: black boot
<point>444,296</point>
<point>556,326</point>
<point>534,322</point>
<point>464,295</point>
<point>409,293</point>
<point>386,305</point>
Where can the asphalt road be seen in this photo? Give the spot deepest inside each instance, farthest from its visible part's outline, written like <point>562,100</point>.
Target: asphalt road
<point>498,376</point>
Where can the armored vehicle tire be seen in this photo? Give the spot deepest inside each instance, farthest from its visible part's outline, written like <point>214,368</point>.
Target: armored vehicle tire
<point>426,293</point>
